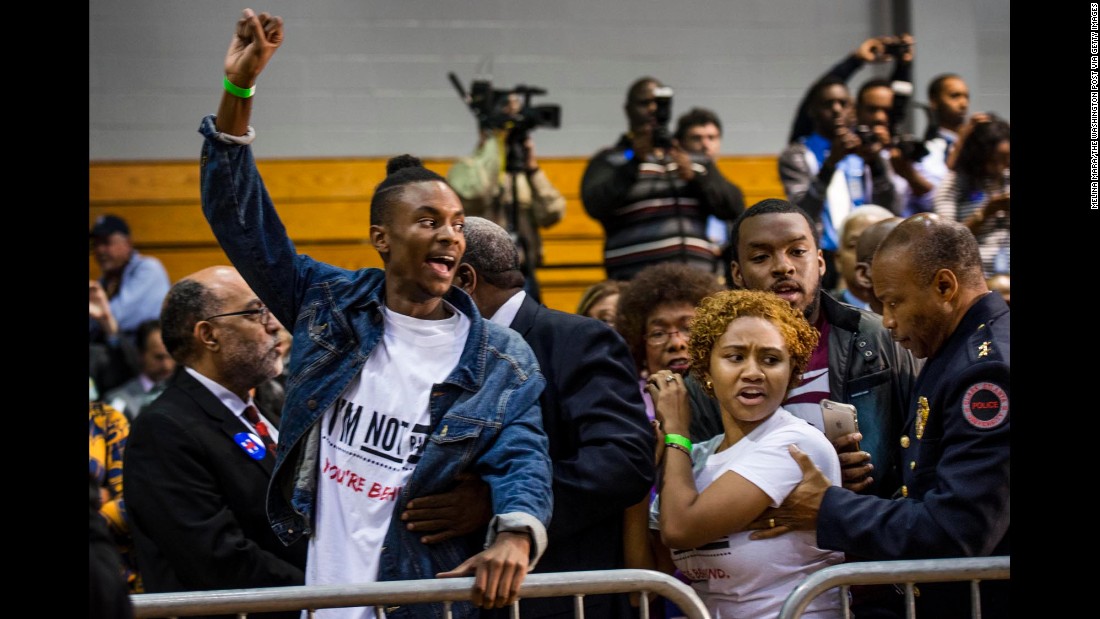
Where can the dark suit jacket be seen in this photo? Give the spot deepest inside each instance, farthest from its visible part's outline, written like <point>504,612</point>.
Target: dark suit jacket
<point>197,499</point>
<point>601,445</point>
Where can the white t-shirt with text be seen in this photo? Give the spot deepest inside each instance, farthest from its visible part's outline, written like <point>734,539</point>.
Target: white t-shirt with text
<point>739,577</point>
<point>371,441</point>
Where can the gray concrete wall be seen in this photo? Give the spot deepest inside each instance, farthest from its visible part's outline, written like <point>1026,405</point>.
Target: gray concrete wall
<point>368,78</point>
<point>970,38</point>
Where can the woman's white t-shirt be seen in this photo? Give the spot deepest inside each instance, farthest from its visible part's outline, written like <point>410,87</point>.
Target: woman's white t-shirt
<point>739,577</point>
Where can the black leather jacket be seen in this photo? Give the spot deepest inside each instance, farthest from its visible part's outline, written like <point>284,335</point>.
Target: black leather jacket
<point>870,371</point>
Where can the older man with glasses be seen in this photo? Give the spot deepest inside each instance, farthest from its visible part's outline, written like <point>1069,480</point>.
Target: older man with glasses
<point>199,458</point>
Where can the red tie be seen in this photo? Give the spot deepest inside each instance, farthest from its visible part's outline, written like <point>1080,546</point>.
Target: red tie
<point>253,416</point>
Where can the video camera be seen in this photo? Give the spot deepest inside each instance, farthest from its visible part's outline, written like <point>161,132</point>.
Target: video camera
<point>497,110</point>
<point>491,107</point>
<point>661,136</point>
<point>912,147</point>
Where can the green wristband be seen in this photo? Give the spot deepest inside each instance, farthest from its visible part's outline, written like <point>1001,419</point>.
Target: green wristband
<point>237,91</point>
<point>678,439</point>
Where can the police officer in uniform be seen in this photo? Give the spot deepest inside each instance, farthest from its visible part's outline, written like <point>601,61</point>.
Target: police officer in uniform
<point>954,501</point>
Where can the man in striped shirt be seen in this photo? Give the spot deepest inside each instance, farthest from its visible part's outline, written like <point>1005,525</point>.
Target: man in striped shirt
<point>651,196</point>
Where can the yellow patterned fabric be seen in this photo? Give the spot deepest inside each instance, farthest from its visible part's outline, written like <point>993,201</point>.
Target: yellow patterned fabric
<point>107,432</point>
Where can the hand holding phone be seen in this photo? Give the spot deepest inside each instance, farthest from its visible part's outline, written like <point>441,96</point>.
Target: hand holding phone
<point>855,465</point>
<point>839,419</point>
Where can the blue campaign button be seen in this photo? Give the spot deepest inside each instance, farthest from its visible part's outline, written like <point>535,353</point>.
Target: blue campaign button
<point>251,445</point>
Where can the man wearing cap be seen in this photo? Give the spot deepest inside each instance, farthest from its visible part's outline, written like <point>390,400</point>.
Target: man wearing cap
<point>199,458</point>
<point>131,286</point>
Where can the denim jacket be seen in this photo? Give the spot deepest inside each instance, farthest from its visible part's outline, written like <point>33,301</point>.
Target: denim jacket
<point>485,416</point>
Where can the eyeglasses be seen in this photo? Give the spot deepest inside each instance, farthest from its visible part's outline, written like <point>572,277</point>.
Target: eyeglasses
<point>660,338</point>
<point>263,312</point>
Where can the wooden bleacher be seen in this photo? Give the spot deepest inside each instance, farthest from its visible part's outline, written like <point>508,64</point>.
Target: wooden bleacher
<point>325,205</point>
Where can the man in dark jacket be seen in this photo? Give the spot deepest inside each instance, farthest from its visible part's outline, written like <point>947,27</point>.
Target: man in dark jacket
<point>856,361</point>
<point>199,457</point>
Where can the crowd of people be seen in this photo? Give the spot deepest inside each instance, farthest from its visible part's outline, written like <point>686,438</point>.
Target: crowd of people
<point>283,421</point>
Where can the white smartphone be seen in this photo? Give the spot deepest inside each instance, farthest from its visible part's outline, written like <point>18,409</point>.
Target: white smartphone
<point>839,418</point>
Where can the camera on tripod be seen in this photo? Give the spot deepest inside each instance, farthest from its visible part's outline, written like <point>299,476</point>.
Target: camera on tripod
<point>496,109</point>
<point>499,109</point>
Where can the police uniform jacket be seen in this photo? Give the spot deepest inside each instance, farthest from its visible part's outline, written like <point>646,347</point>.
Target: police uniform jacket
<point>955,453</point>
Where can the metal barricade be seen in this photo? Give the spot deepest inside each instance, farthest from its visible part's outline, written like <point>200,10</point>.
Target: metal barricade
<point>445,590</point>
<point>896,572</point>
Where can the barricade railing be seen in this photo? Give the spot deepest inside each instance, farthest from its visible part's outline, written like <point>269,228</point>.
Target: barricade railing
<point>446,590</point>
<point>896,572</point>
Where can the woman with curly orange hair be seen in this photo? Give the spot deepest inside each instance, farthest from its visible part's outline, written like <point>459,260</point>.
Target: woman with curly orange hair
<point>747,348</point>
